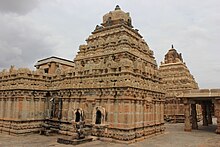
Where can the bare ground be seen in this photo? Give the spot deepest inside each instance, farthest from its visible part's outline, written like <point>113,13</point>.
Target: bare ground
<point>174,136</point>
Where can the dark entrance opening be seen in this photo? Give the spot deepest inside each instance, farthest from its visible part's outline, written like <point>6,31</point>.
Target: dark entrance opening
<point>98,117</point>
<point>77,116</point>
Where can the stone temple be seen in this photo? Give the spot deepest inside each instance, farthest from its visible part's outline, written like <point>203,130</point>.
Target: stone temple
<point>176,78</point>
<point>113,86</point>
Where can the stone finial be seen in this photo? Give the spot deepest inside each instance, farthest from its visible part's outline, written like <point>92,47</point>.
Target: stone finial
<point>116,17</point>
<point>12,69</point>
<point>173,56</point>
<point>117,7</point>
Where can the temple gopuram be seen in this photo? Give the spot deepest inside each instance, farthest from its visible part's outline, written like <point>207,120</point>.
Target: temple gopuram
<point>113,85</point>
<point>176,79</point>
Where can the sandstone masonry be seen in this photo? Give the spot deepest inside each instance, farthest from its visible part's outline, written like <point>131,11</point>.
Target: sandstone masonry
<point>113,84</point>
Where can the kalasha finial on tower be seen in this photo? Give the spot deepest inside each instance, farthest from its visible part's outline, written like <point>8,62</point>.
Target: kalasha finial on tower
<point>117,7</point>
<point>172,46</point>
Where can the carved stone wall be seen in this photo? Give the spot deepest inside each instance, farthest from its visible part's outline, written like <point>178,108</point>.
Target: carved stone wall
<point>23,94</point>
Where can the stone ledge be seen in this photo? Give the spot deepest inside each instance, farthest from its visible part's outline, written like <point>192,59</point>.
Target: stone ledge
<point>69,140</point>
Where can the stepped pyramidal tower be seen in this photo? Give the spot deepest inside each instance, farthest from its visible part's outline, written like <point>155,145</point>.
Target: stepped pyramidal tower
<point>113,85</point>
<point>117,75</point>
<point>176,78</point>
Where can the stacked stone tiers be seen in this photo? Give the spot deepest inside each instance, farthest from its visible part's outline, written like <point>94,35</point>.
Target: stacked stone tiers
<point>176,78</point>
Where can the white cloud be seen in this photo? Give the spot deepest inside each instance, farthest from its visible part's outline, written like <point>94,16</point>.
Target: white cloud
<point>22,42</point>
<point>18,6</point>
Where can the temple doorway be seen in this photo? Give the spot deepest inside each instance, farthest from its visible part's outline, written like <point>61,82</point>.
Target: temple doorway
<point>78,115</point>
<point>98,117</point>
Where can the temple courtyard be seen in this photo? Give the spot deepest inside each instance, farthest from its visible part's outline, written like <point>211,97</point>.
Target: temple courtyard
<point>174,136</point>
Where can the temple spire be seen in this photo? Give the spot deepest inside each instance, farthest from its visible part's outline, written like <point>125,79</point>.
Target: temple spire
<point>117,7</point>
<point>116,17</point>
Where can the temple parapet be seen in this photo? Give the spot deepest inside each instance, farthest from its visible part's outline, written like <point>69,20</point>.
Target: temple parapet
<point>23,78</point>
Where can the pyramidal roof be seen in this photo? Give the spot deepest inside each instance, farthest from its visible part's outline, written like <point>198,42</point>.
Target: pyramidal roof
<point>175,75</point>
<point>115,47</point>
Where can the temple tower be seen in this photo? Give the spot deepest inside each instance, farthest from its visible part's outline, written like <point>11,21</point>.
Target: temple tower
<point>116,82</point>
<point>176,78</point>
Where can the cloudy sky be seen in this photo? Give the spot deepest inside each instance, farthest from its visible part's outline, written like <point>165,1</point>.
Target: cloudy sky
<point>34,29</point>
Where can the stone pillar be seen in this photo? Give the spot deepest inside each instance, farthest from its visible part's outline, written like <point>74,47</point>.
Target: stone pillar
<point>9,108</point>
<point>194,116</point>
<point>159,111</point>
<point>1,107</point>
<point>65,108</point>
<point>24,109</point>
<point>7,111</point>
<point>32,104</point>
<point>178,108</point>
<point>209,113</point>
<point>156,112</point>
<point>28,107</point>
<point>142,113</point>
<point>20,107</point>
<point>47,106</point>
<point>153,113</point>
<point>12,108</point>
<point>188,126</point>
<point>204,114</point>
<point>175,111</point>
<point>162,111</point>
<point>115,120</point>
<point>37,107</point>
<point>70,111</point>
<point>16,108</point>
<point>217,114</point>
<point>144,117</point>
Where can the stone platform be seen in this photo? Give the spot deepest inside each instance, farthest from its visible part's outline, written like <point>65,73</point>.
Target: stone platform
<point>70,140</point>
